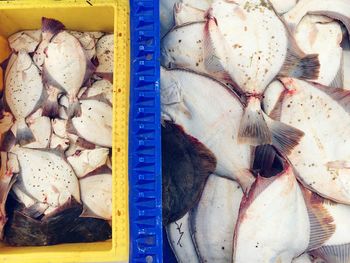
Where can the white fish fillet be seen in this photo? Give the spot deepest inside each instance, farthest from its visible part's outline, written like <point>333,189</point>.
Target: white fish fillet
<point>214,219</point>
<point>180,240</point>
<point>96,195</point>
<point>320,158</point>
<point>87,161</point>
<point>46,176</point>
<point>185,98</point>
<point>267,229</point>
<point>27,40</point>
<point>314,36</point>
<point>95,122</point>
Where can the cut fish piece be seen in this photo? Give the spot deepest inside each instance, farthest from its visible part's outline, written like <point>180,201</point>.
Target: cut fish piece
<point>346,54</point>
<point>166,15</point>
<point>185,97</point>
<point>26,40</point>
<point>96,195</point>
<point>213,220</point>
<point>23,93</point>
<point>59,127</point>
<point>88,42</point>
<point>283,6</point>
<point>271,97</point>
<point>277,237</point>
<point>184,13</point>
<point>46,176</point>
<point>180,240</point>
<point>320,158</point>
<point>94,124</point>
<point>41,129</point>
<point>100,87</point>
<point>59,143</point>
<point>87,161</point>
<point>315,35</point>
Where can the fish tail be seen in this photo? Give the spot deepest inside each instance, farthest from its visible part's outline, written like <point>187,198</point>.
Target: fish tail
<point>50,106</point>
<point>306,67</point>
<point>51,25</point>
<point>284,137</point>
<point>24,135</point>
<point>253,128</point>
<point>74,109</point>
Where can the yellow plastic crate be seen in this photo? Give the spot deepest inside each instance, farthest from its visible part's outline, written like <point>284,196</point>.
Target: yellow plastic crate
<point>90,15</point>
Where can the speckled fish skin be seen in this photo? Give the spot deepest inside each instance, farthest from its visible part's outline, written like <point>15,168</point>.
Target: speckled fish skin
<point>27,40</point>
<point>46,176</point>
<point>105,56</point>
<point>96,195</point>
<point>180,240</point>
<point>321,35</point>
<point>87,161</point>
<point>337,9</point>
<point>88,42</point>
<point>41,128</point>
<point>65,65</point>
<point>185,97</point>
<point>318,165</point>
<point>277,237</point>
<point>95,122</point>
<point>213,220</point>
<point>23,93</point>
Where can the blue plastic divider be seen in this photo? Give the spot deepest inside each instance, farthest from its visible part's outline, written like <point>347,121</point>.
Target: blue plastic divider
<point>145,181</point>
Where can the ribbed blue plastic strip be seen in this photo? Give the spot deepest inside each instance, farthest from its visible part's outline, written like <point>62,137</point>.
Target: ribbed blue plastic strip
<point>145,181</point>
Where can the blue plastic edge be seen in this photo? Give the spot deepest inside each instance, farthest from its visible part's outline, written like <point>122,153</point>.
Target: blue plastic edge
<point>145,181</point>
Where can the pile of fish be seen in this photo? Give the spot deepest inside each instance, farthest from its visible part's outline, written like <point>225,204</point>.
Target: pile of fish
<point>56,137</point>
<point>255,100</point>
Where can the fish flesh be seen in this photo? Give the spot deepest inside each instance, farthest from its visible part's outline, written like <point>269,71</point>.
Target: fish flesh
<point>180,240</point>
<point>26,40</point>
<point>46,176</point>
<point>66,68</point>
<point>323,36</point>
<point>94,124</point>
<point>105,57</point>
<point>41,129</point>
<point>61,144</point>
<point>316,110</point>
<point>87,161</point>
<point>251,62</point>
<point>186,166</point>
<point>96,195</point>
<point>100,87</point>
<point>273,234</point>
<point>49,28</point>
<point>23,93</point>
<point>336,9</point>
<point>213,220</point>
<point>185,97</point>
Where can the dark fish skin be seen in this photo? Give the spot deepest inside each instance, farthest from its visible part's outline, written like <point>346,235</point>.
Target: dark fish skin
<point>63,227</point>
<point>186,165</point>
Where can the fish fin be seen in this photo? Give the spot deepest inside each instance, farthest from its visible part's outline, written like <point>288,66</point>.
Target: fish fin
<point>338,81</point>
<point>276,112</point>
<point>70,127</point>
<point>307,67</point>
<point>99,97</point>
<point>36,210</point>
<point>322,225</point>
<point>52,26</point>
<point>106,76</point>
<point>212,59</point>
<point>24,135</point>
<point>8,141</point>
<point>74,109</point>
<point>85,144</point>
<point>253,129</point>
<point>87,212</point>
<point>90,70</point>
<point>333,254</point>
<point>103,169</point>
<point>268,162</point>
<point>338,164</point>
<point>50,106</point>
<point>70,203</point>
<point>284,136</point>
